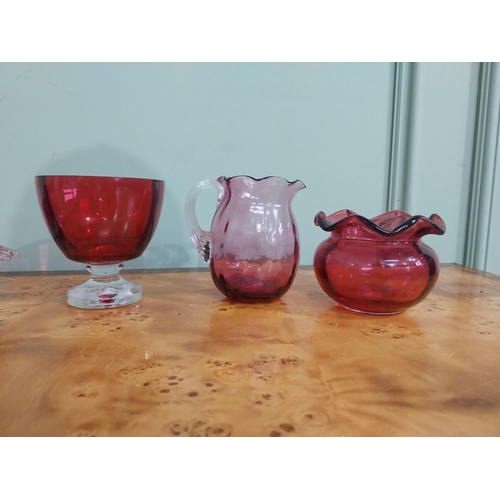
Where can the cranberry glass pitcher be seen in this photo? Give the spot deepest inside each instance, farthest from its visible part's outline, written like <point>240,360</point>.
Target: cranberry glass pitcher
<point>253,245</point>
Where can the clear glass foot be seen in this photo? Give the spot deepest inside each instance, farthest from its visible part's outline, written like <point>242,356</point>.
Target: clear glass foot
<point>105,289</point>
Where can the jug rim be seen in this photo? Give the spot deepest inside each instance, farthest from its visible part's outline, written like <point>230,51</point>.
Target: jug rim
<point>258,179</point>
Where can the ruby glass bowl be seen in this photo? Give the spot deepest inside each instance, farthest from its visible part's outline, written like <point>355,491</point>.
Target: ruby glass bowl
<point>101,222</point>
<point>378,265</point>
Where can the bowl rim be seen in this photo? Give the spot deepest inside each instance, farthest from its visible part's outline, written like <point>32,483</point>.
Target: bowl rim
<point>87,176</point>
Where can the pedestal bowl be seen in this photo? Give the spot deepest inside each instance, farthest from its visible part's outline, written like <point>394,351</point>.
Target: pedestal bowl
<point>102,222</point>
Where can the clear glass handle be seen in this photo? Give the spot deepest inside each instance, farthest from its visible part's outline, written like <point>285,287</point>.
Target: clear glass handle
<point>200,238</point>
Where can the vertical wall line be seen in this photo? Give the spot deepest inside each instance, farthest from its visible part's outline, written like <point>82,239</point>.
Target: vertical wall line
<point>477,163</point>
<point>484,164</point>
<point>494,127</point>
<point>398,165</point>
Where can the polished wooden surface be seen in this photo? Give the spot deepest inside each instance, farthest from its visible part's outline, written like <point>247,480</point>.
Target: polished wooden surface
<point>185,361</point>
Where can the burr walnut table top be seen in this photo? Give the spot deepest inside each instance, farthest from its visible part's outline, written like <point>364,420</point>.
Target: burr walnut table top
<point>185,361</point>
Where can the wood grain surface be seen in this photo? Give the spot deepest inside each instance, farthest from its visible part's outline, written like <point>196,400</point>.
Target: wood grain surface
<point>185,361</point>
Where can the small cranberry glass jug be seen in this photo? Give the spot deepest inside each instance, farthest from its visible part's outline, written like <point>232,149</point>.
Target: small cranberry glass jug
<point>378,265</point>
<point>253,246</point>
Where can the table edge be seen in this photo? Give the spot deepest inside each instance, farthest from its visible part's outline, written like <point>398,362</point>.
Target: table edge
<point>168,270</point>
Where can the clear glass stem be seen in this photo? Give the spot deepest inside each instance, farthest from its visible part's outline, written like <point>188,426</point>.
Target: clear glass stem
<point>105,289</point>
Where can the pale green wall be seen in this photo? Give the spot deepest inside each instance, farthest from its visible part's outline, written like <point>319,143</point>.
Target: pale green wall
<point>328,124</point>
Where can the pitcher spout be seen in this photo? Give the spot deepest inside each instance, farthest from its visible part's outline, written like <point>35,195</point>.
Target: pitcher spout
<point>296,186</point>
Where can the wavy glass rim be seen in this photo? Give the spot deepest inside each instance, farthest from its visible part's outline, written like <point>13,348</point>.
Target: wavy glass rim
<point>291,183</point>
<point>434,221</point>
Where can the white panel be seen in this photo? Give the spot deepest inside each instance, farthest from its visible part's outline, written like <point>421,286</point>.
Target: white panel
<point>483,219</point>
<point>492,261</point>
<point>441,132</point>
<point>493,254</point>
